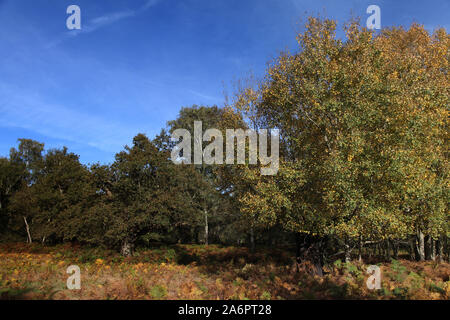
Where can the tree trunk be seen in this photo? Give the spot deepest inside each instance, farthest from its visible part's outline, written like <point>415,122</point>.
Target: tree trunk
<point>28,230</point>
<point>394,246</point>
<point>432,249</point>
<point>206,227</point>
<point>427,247</point>
<point>317,258</point>
<point>447,249</point>
<point>310,249</point>
<point>269,239</point>
<point>127,248</point>
<point>298,250</point>
<point>196,236</point>
<point>360,245</point>
<point>440,248</point>
<point>388,250</point>
<point>252,240</point>
<point>347,252</point>
<point>412,255</point>
<point>420,245</point>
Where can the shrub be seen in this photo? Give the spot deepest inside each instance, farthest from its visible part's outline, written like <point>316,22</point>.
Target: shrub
<point>170,255</point>
<point>158,292</point>
<point>266,295</point>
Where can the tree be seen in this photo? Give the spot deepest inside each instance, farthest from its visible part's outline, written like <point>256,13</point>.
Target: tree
<point>210,117</point>
<point>49,204</point>
<point>12,176</point>
<point>26,162</point>
<point>149,196</point>
<point>355,117</point>
<point>29,154</point>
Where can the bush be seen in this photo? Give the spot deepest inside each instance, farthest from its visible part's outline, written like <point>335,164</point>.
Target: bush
<point>171,255</point>
<point>158,292</point>
<point>266,295</point>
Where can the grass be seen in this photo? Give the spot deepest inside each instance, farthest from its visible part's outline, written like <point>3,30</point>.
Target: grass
<point>199,272</point>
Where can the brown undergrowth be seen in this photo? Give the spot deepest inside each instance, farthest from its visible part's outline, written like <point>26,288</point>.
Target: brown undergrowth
<point>199,272</point>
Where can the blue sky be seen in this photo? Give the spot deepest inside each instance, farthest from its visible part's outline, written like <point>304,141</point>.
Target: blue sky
<point>134,64</point>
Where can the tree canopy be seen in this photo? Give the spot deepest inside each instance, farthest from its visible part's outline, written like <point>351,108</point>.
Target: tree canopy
<point>363,127</point>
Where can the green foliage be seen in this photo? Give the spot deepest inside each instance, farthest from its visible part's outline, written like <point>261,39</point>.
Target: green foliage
<point>352,269</point>
<point>171,255</point>
<point>416,281</point>
<point>400,271</point>
<point>437,287</point>
<point>266,296</point>
<point>13,294</point>
<point>363,123</point>
<point>400,292</point>
<point>158,292</point>
<point>338,263</point>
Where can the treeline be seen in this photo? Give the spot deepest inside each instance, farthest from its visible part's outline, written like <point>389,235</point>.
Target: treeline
<point>142,197</point>
<point>363,169</point>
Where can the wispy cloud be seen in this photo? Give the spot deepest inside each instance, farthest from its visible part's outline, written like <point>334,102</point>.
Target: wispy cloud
<point>204,96</point>
<point>103,21</point>
<point>31,111</point>
<point>149,3</point>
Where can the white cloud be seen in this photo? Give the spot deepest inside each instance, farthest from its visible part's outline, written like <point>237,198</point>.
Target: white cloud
<point>103,21</point>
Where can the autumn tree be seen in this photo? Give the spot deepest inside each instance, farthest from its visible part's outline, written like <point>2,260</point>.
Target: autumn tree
<point>358,119</point>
